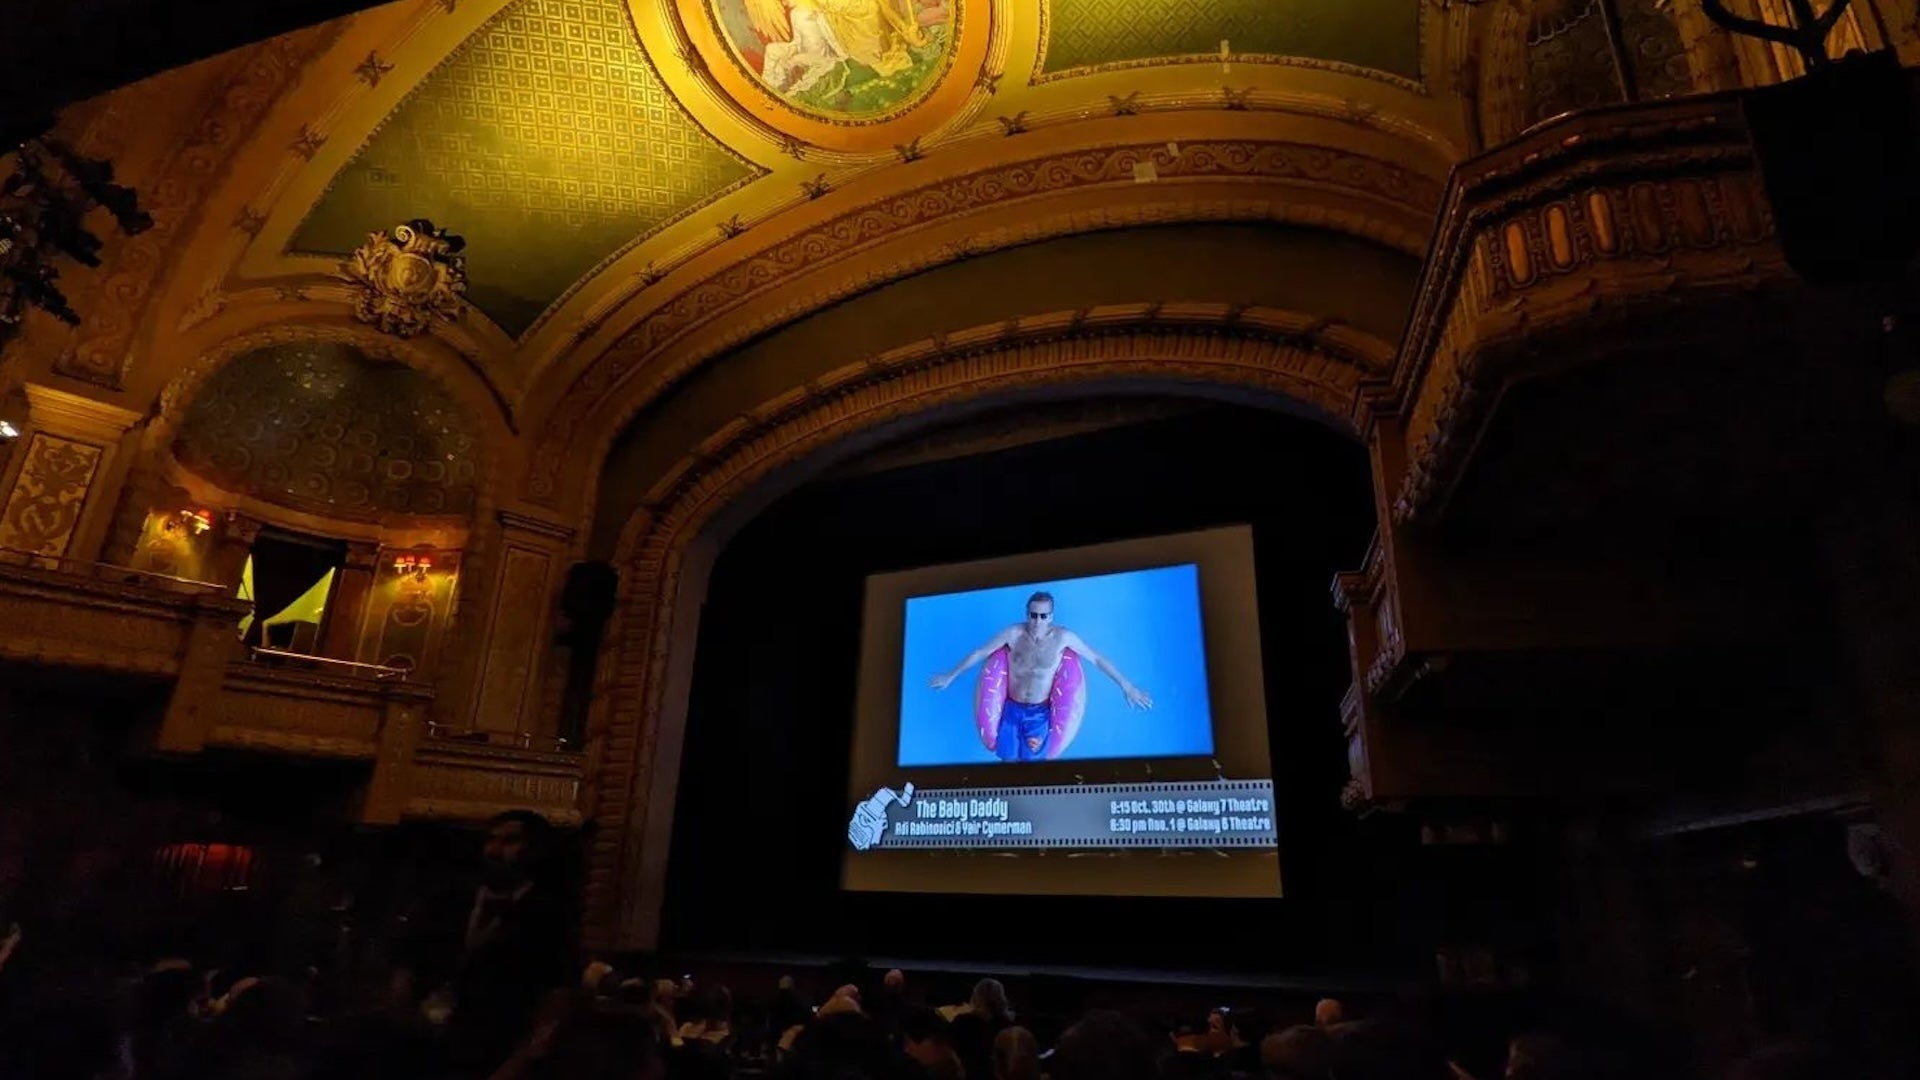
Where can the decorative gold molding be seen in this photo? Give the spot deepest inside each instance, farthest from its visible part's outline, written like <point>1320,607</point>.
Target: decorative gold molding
<point>599,390</point>
<point>138,625</point>
<point>545,528</point>
<point>293,743</point>
<point>308,713</point>
<point>318,519</point>
<point>50,490</point>
<point>420,354</point>
<point>456,782</point>
<point>1600,221</point>
<point>492,30</point>
<point>77,415</point>
<point>404,279</point>
<point>516,643</point>
<point>1260,352</point>
<point>1418,85</point>
<point>176,199</point>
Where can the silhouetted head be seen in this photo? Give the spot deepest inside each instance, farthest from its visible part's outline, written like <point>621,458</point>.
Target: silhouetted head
<point>1103,1046</point>
<point>1298,1053</point>
<point>1016,1055</point>
<point>515,842</point>
<point>989,1000</point>
<point>925,1035</point>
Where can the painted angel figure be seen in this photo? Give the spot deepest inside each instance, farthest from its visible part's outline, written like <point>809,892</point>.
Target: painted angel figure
<point>808,39</point>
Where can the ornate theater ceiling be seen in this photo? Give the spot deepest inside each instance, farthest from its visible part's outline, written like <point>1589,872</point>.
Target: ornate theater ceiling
<point>644,186</point>
<point>319,425</point>
<point>548,139</point>
<point>1088,35</point>
<point>566,138</point>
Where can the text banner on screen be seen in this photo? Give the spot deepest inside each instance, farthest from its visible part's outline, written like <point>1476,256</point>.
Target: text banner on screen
<point>1201,814</point>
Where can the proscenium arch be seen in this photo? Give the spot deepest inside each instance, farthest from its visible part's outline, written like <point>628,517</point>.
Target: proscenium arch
<point>1232,178</point>
<point>1346,283</point>
<point>1260,356</point>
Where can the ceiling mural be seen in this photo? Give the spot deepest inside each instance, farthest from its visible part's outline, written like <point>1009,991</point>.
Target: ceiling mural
<point>1092,35</point>
<point>319,425</point>
<point>548,141</point>
<point>857,59</point>
<point>630,177</point>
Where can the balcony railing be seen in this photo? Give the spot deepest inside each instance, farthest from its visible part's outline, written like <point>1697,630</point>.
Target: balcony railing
<point>76,613</point>
<point>328,665</point>
<point>1599,237</point>
<point>517,740</point>
<point>470,776</point>
<point>309,706</point>
<point>109,573</point>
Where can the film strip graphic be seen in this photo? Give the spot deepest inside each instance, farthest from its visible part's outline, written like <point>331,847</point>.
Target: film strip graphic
<point>1210,814</point>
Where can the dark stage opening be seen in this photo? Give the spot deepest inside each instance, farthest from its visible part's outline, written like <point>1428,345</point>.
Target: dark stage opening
<point>760,822</point>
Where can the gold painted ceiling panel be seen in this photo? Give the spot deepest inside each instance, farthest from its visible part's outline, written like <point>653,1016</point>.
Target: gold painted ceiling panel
<point>1383,35</point>
<point>323,428</point>
<point>548,141</point>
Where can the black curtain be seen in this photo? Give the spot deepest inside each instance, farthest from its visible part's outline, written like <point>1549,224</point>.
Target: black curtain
<point>284,566</point>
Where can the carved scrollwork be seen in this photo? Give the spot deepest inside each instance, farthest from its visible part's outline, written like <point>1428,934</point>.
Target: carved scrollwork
<point>1581,225</point>
<point>644,362</point>
<point>404,280</point>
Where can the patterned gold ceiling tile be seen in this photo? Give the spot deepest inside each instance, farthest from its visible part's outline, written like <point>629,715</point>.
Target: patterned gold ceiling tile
<point>321,427</point>
<point>1378,35</point>
<point>548,141</point>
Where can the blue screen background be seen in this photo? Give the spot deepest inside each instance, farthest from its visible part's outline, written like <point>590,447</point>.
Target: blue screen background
<point>1146,622</point>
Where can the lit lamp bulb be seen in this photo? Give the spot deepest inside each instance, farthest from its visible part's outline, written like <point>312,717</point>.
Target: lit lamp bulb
<point>413,566</point>
<point>196,522</point>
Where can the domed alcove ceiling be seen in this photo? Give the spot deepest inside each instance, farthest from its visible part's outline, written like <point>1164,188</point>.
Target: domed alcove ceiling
<point>1083,35</point>
<point>321,426</point>
<point>548,141</point>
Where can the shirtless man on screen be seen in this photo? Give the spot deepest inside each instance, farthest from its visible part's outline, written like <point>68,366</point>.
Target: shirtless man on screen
<point>1033,658</point>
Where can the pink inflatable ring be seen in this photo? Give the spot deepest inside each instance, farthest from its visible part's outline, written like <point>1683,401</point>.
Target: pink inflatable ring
<point>1066,704</point>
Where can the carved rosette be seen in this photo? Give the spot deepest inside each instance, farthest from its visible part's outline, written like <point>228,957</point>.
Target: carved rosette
<point>405,279</point>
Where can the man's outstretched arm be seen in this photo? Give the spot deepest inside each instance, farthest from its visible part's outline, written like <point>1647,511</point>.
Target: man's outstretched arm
<point>1136,697</point>
<point>945,678</point>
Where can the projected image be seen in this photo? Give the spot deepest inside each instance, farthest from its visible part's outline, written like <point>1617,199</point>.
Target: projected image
<point>1112,666</point>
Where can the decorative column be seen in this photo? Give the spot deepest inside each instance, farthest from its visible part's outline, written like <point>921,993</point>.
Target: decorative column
<point>352,586</point>
<point>517,625</point>
<point>404,710</point>
<point>60,487</point>
<point>233,543</point>
<point>212,642</point>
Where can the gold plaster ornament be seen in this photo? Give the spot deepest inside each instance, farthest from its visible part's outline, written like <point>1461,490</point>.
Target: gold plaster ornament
<point>407,278</point>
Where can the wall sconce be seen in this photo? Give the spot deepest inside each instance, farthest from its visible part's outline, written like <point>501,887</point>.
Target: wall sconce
<point>195,522</point>
<point>413,566</point>
<point>8,432</point>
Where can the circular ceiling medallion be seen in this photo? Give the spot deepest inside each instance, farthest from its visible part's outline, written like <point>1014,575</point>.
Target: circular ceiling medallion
<point>842,74</point>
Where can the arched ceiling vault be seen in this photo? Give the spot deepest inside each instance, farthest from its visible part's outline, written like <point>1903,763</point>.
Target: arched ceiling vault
<point>1341,299</point>
<point>640,194</point>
